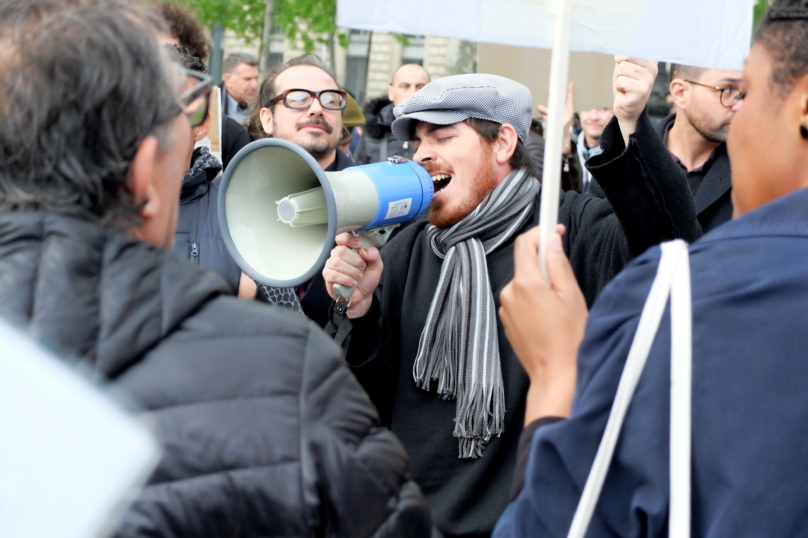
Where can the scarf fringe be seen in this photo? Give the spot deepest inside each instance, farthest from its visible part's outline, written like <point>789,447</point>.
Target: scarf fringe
<point>459,346</point>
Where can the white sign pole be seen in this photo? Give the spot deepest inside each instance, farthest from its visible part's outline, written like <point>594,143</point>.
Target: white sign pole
<point>551,179</point>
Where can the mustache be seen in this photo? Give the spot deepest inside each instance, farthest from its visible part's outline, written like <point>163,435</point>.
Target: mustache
<point>315,121</point>
<point>429,166</point>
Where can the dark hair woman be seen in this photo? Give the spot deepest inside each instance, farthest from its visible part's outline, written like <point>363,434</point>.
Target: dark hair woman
<point>749,280</point>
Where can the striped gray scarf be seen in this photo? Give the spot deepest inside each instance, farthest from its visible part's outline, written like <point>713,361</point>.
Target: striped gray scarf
<point>584,154</point>
<point>459,346</point>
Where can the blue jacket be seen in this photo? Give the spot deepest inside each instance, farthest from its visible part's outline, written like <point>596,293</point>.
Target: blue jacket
<point>750,396</point>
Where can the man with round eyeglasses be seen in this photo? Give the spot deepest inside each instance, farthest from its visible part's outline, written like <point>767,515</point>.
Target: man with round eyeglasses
<point>301,102</point>
<point>705,102</point>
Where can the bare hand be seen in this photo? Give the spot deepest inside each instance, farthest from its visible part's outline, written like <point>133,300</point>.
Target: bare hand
<point>569,115</point>
<point>347,268</point>
<point>632,83</point>
<point>544,324</point>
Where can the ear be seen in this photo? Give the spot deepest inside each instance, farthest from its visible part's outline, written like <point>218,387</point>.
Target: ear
<point>141,178</point>
<point>802,87</point>
<point>390,91</point>
<point>226,77</point>
<point>679,90</point>
<point>505,144</point>
<point>266,120</point>
<point>202,130</point>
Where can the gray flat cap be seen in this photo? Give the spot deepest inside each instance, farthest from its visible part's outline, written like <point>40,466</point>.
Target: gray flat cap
<point>454,99</point>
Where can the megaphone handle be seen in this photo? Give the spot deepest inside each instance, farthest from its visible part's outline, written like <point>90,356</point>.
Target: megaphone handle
<point>375,238</point>
<point>344,292</point>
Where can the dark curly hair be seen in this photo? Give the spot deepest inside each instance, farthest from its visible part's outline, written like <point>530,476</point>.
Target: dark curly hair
<point>784,33</point>
<point>184,26</point>
<point>521,158</point>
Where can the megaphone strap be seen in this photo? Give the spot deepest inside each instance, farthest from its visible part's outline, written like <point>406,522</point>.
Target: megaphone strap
<point>339,325</point>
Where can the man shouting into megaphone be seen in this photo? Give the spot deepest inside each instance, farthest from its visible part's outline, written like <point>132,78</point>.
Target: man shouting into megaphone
<point>425,339</point>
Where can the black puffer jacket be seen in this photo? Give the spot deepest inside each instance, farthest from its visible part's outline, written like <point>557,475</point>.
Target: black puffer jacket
<point>378,141</point>
<point>265,431</point>
<point>198,237</point>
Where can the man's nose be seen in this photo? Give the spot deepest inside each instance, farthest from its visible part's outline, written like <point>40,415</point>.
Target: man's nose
<point>423,155</point>
<point>316,109</point>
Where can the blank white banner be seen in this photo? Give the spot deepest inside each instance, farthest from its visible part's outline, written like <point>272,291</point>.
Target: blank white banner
<point>703,33</point>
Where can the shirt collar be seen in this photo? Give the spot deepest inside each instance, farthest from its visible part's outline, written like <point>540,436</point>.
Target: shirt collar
<point>703,168</point>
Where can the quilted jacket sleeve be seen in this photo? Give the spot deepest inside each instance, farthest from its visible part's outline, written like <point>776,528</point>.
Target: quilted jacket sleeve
<point>355,471</point>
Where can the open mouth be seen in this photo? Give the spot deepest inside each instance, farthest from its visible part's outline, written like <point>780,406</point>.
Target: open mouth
<point>440,181</point>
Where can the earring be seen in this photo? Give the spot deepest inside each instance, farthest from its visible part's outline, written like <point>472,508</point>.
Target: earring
<point>804,131</point>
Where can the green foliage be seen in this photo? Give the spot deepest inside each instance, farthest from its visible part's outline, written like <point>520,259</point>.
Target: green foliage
<point>244,17</point>
<point>404,39</point>
<point>309,22</point>
<point>760,9</point>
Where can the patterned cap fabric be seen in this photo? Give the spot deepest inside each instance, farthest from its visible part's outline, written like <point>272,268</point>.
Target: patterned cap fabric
<point>454,99</point>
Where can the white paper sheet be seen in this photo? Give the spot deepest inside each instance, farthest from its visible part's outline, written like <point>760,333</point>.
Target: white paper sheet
<point>70,457</point>
<point>703,33</point>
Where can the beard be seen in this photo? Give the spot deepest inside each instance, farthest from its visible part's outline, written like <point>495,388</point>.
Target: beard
<point>709,130</point>
<point>317,146</point>
<point>447,213</point>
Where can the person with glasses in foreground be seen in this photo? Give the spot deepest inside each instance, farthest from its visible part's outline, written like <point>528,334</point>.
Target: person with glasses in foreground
<point>198,237</point>
<point>264,430</point>
<point>705,101</point>
<point>300,101</point>
<point>749,290</point>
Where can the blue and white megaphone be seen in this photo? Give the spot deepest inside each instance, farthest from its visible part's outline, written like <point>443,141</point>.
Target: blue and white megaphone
<point>279,212</point>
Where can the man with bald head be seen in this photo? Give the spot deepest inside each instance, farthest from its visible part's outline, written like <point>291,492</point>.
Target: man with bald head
<point>378,142</point>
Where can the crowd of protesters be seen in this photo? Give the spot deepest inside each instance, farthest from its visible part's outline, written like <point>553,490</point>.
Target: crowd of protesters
<point>457,393</point>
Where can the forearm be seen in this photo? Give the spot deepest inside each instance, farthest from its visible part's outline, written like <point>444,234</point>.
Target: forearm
<point>551,399</point>
<point>647,190</point>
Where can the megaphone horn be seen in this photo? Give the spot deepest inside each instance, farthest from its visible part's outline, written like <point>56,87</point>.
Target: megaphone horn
<point>279,211</point>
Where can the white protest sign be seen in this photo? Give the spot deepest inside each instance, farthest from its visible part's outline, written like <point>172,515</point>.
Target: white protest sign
<point>70,457</point>
<point>704,33</point>
<point>712,34</point>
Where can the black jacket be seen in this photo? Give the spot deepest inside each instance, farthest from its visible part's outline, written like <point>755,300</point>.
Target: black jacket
<point>234,137</point>
<point>570,169</point>
<point>264,430</point>
<point>601,237</point>
<point>198,237</point>
<point>378,141</point>
<point>713,198</point>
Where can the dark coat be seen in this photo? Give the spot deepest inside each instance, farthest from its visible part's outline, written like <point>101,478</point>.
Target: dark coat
<point>570,169</point>
<point>198,237</point>
<point>377,135</point>
<point>714,196</point>
<point>750,413</point>
<point>600,239</point>
<point>264,430</point>
<point>234,137</point>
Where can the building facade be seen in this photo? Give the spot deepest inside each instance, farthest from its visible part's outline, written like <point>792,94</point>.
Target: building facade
<point>366,66</point>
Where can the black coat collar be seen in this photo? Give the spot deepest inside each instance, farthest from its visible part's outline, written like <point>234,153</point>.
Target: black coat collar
<point>341,162</point>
